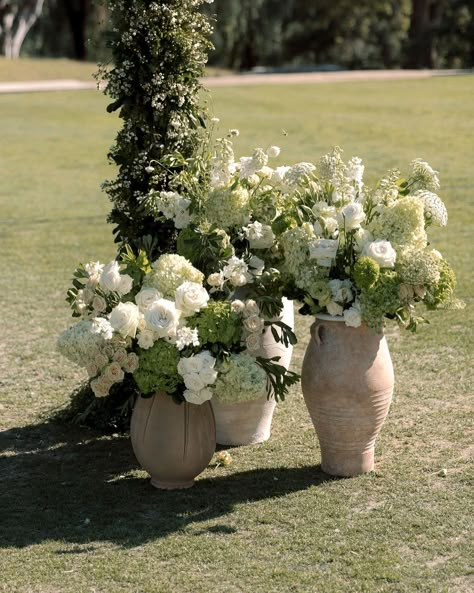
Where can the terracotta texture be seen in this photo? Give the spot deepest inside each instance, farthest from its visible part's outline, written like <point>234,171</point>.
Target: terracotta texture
<point>249,423</point>
<point>347,381</point>
<point>172,442</point>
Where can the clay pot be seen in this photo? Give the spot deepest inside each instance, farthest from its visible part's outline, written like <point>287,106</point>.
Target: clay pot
<point>249,422</point>
<point>347,381</point>
<point>172,442</point>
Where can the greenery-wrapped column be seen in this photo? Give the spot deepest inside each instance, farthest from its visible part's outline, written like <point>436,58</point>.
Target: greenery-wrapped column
<point>159,50</point>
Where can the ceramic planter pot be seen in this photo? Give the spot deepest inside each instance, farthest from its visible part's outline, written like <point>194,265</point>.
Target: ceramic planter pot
<point>347,381</point>
<point>172,442</point>
<point>249,422</point>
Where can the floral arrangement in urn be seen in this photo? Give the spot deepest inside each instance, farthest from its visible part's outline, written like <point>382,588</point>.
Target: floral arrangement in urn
<point>362,253</point>
<point>158,322</point>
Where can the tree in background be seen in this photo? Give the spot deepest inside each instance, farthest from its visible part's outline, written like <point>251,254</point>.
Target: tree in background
<point>159,50</point>
<point>16,19</point>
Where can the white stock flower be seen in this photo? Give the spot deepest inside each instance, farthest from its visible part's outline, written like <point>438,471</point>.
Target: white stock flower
<point>146,297</point>
<point>355,171</point>
<point>352,316</point>
<point>162,318</point>
<point>124,319</point>
<point>198,370</point>
<point>260,235</point>
<point>182,217</point>
<point>352,215</point>
<point>197,397</point>
<point>185,336</point>
<point>382,252</point>
<point>94,269</point>
<point>236,271</point>
<point>190,298</point>
<point>334,309</point>
<point>323,251</point>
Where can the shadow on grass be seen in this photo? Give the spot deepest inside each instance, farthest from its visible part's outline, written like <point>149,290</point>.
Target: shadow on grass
<point>64,483</point>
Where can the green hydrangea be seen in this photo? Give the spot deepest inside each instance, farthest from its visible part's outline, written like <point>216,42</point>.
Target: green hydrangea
<point>366,272</point>
<point>227,207</point>
<point>158,368</point>
<point>240,379</point>
<point>169,272</point>
<point>402,223</point>
<point>441,295</point>
<point>381,299</point>
<point>216,323</point>
<point>295,242</point>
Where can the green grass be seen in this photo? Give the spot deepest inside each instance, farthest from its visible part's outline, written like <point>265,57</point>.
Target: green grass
<point>25,69</point>
<point>79,516</point>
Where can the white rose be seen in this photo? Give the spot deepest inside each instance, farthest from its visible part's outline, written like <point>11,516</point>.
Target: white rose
<point>194,381</point>
<point>100,360</point>
<point>251,308</point>
<point>99,304</point>
<point>190,365</point>
<point>334,309</point>
<point>110,277</point>
<point>126,284</point>
<point>190,298</point>
<point>253,342</point>
<point>216,280</point>
<point>254,323</point>
<point>352,316</point>
<point>146,339</point>
<point>197,397</point>
<point>323,251</point>
<point>131,364</point>
<point>120,356</point>
<point>352,216</point>
<point>237,306</point>
<point>146,297</point>
<point>124,319</point>
<point>100,386</point>
<point>162,318</point>
<point>382,252</point>
<point>113,373</point>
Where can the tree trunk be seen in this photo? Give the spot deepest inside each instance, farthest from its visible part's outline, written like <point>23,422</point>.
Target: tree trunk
<point>425,17</point>
<point>15,22</point>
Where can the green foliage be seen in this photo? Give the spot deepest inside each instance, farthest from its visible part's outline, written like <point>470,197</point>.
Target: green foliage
<point>204,247</point>
<point>279,379</point>
<point>159,50</point>
<point>158,370</point>
<point>136,266</point>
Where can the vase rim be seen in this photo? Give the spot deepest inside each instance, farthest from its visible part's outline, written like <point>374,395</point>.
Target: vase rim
<point>327,317</point>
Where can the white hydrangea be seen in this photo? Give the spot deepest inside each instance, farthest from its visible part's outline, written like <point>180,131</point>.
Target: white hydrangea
<point>236,271</point>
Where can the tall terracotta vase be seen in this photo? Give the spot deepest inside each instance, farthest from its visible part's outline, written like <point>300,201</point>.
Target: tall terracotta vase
<point>347,381</point>
<point>249,422</point>
<point>172,442</point>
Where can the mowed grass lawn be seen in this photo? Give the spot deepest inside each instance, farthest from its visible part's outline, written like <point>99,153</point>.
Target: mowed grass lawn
<point>79,516</point>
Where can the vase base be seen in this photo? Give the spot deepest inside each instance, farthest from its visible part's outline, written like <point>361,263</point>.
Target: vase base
<point>163,485</point>
<point>347,464</point>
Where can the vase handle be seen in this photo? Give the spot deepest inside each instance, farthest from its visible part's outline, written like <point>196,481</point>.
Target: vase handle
<point>317,332</point>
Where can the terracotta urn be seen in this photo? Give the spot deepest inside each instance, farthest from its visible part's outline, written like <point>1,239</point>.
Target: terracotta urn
<point>249,422</point>
<point>347,381</point>
<point>172,442</point>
